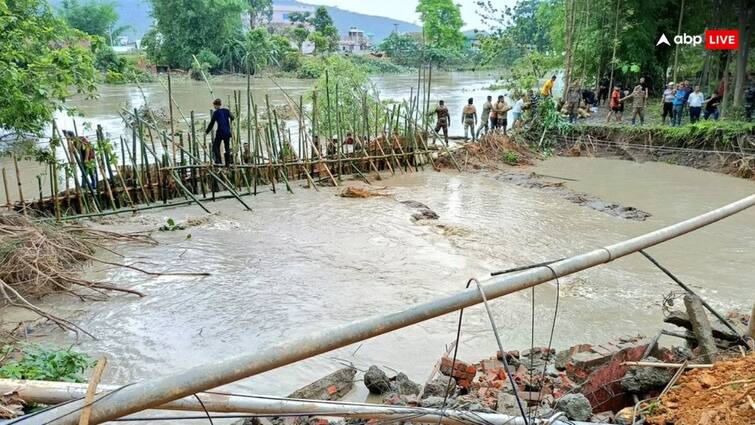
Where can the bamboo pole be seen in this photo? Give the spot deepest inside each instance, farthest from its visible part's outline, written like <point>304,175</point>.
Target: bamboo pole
<point>170,111</point>
<point>7,192</point>
<point>18,182</point>
<point>66,147</point>
<point>317,150</point>
<point>109,191</point>
<point>54,188</point>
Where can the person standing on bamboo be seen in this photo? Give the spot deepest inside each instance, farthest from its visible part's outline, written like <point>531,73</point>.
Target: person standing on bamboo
<point>223,117</point>
<point>469,119</point>
<point>441,112</point>
<point>639,97</point>
<point>485,117</point>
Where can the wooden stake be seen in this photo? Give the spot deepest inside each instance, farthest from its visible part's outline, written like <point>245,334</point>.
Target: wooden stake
<point>91,389</point>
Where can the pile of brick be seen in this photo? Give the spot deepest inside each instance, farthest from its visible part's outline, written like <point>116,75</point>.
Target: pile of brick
<point>590,373</point>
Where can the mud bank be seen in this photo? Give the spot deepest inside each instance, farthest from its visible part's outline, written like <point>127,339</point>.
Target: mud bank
<point>726,151</point>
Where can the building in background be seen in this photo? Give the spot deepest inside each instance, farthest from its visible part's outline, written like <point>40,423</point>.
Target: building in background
<point>355,42</point>
<point>280,22</point>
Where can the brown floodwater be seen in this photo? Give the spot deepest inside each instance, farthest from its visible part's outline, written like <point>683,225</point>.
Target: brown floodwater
<point>311,261</point>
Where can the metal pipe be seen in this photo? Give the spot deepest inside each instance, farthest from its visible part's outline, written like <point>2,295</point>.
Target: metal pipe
<point>159,391</point>
<point>46,392</point>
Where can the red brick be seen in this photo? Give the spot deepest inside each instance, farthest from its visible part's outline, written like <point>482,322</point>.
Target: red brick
<point>332,389</point>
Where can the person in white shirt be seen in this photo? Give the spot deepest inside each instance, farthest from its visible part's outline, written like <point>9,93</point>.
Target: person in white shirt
<point>516,111</point>
<point>696,100</point>
<point>668,103</point>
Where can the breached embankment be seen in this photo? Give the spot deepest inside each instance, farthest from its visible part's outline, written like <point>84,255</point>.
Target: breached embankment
<point>727,149</point>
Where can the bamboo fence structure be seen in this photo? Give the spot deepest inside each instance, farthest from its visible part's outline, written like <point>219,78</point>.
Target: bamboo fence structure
<point>162,166</point>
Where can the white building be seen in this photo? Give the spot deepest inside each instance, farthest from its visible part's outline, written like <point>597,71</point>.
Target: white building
<point>356,42</point>
<point>281,21</point>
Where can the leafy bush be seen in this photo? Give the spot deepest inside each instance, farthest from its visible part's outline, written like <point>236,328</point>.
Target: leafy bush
<point>206,57</point>
<point>45,364</point>
<point>114,77</point>
<point>199,71</point>
<point>511,157</point>
<point>311,68</point>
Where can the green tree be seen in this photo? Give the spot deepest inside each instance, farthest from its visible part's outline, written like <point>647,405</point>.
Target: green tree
<point>322,20</point>
<point>93,18</point>
<point>441,20</point>
<point>401,48</point>
<point>299,17</point>
<point>299,35</point>
<point>321,43</point>
<point>185,27</point>
<point>42,62</point>
<point>260,11</point>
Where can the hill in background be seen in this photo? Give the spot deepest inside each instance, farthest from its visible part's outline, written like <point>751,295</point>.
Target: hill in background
<point>135,13</point>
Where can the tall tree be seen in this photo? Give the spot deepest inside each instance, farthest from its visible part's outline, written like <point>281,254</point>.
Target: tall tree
<point>746,15</point>
<point>43,62</point>
<point>322,20</point>
<point>185,27</point>
<point>299,35</point>
<point>441,20</point>
<point>260,11</point>
<point>93,18</point>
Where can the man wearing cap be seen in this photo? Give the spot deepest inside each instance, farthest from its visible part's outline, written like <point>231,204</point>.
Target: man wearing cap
<point>223,117</point>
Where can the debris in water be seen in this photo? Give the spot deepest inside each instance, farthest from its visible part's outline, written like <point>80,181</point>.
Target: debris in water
<point>533,181</point>
<point>424,213</point>
<point>355,192</point>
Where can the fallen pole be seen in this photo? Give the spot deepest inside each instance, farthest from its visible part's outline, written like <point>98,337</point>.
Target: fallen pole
<point>689,290</point>
<point>144,395</point>
<point>46,392</point>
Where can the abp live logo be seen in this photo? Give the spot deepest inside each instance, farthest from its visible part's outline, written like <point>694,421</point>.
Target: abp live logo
<point>714,40</point>
<point>722,39</point>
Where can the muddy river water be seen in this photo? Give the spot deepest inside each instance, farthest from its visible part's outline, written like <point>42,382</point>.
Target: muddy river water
<point>307,262</point>
<point>310,261</point>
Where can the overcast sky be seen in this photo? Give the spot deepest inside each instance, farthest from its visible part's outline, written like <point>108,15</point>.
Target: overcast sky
<point>404,9</point>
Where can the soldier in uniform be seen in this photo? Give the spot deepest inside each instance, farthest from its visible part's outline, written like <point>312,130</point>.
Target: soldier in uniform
<point>469,119</point>
<point>443,122</point>
<point>501,110</point>
<point>573,96</point>
<point>485,117</point>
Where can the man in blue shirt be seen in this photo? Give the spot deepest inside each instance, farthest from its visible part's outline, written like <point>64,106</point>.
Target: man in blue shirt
<point>223,117</point>
<point>678,102</point>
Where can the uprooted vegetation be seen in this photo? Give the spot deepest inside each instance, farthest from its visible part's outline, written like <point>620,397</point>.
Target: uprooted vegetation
<point>491,151</point>
<point>38,259</point>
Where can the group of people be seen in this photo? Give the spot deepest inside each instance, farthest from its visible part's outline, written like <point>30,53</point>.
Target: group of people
<point>494,115</point>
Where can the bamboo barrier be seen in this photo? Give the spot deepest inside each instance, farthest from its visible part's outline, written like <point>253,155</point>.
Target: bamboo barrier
<point>170,163</point>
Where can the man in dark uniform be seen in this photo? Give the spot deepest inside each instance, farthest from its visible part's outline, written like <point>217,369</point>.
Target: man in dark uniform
<point>443,120</point>
<point>223,117</point>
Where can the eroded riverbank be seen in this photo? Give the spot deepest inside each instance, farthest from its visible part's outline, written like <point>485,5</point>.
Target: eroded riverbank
<point>310,261</point>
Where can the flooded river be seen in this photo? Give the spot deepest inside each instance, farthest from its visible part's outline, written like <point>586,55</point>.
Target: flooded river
<point>311,261</point>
